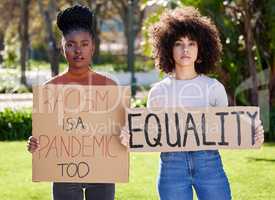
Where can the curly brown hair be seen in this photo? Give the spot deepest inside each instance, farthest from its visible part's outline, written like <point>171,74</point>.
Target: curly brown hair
<point>185,22</point>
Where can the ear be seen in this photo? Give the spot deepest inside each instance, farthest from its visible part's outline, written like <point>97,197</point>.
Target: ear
<point>62,47</point>
<point>198,61</point>
<point>61,50</point>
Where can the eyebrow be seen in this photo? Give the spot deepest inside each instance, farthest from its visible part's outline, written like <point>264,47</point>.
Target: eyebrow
<point>72,41</point>
<point>181,40</point>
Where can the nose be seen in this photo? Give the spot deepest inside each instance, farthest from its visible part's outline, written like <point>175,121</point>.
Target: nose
<point>77,49</point>
<point>185,49</point>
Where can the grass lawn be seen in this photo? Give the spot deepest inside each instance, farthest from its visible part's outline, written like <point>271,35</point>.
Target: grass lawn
<point>251,174</point>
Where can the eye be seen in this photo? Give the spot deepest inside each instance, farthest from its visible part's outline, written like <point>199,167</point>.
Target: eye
<point>192,43</point>
<point>85,44</point>
<point>69,45</point>
<point>177,44</point>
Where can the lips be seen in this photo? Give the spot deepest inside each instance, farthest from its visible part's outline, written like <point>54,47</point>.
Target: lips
<point>78,58</point>
<point>185,57</point>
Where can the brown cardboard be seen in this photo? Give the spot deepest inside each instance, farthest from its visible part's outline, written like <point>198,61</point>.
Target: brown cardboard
<point>78,130</point>
<point>191,129</point>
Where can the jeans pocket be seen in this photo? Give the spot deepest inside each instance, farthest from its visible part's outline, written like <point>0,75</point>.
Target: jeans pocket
<point>212,153</point>
<point>213,159</point>
<point>172,156</point>
<point>164,156</point>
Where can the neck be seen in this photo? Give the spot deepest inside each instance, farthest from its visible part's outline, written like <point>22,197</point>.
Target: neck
<point>185,73</point>
<point>78,71</point>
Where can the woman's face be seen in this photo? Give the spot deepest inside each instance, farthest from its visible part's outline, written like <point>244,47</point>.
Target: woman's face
<point>78,48</point>
<point>185,52</point>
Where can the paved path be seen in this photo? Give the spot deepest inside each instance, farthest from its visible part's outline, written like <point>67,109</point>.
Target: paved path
<point>16,101</point>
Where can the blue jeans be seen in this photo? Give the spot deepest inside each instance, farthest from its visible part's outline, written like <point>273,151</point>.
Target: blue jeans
<point>203,170</point>
<point>74,191</point>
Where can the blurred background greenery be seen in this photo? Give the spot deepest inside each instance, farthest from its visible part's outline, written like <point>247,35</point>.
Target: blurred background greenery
<point>30,42</point>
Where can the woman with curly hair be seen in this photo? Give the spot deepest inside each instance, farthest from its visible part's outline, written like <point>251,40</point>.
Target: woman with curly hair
<point>186,46</point>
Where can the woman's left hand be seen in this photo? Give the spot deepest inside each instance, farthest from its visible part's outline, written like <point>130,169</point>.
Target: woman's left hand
<point>259,136</point>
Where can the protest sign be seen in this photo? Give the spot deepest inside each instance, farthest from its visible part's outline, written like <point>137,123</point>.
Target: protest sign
<point>78,131</point>
<point>192,129</point>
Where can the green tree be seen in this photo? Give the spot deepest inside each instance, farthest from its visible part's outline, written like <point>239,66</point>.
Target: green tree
<point>24,37</point>
<point>49,14</point>
<point>133,20</point>
<point>8,31</point>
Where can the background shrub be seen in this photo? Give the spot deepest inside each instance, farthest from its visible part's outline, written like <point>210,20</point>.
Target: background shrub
<point>15,124</point>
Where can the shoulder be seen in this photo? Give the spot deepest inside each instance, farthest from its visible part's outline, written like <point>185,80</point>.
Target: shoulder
<point>206,80</point>
<point>58,79</point>
<point>161,84</point>
<point>158,93</point>
<point>159,89</point>
<point>217,92</point>
<point>211,83</point>
<point>103,79</point>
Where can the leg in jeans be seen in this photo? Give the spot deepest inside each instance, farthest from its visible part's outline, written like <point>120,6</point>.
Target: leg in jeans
<point>100,191</point>
<point>210,181</point>
<point>174,180</point>
<point>67,191</point>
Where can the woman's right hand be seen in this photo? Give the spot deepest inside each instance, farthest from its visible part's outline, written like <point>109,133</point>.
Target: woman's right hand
<point>32,144</point>
<point>124,137</point>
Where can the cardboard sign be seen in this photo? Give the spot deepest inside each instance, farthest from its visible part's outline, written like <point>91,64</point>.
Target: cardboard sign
<point>78,131</point>
<point>192,129</point>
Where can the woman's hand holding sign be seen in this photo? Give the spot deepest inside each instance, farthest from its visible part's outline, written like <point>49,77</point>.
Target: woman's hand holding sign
<point>32,144</point>
<point>259,136</point>
<point>124,137</point>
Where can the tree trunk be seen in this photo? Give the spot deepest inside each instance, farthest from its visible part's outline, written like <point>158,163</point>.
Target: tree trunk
<point>24,38</point>
<point>53,51</point>
<point>95,6</point>
<point>52,48</point>
<point>250,57</point>
<point>272,83</point>
<point>2,46</point>
<point>131,46</point>
<point>97,46</point>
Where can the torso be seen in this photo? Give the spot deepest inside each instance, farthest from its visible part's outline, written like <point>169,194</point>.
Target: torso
<point>201,91</point>
<point>89,78</point>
